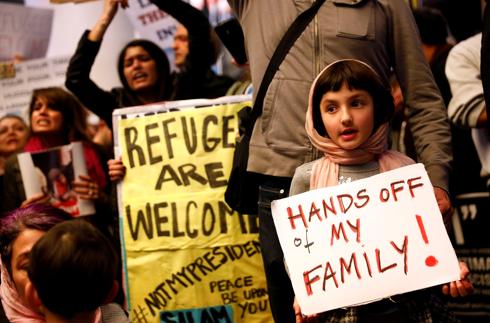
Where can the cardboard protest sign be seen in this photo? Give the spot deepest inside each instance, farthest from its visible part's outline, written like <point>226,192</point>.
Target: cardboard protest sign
<point>152,23</point>
<point>365,240</point>
<point>16,92</point>
<point>184,249</point>
<point>24,31</point>
<point>149,22</point>
<point>52,171</point>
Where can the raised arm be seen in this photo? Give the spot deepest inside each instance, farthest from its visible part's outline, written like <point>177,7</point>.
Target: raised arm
<point>105,19</point>
<point>78,81</point>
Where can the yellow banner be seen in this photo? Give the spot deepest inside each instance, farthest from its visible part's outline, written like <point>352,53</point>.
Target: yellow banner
<point>188,256</point>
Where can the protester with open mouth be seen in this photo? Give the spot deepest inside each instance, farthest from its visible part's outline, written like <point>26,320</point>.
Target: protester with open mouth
<point>57,118</point>
<point>143,68</point>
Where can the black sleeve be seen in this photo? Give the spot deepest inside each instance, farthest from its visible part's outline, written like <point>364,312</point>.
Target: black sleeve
<point>198,28</point>
<point>13,194</point>
<point>78,81</point>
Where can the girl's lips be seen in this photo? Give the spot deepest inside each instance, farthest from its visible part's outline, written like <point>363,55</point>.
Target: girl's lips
<point>348,134</point>
<point>348,137</point>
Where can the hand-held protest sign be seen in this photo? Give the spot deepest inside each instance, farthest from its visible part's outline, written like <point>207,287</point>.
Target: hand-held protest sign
<point>52,172</point>
<point>188,257</point>
<point>24,31</point>
<point>16,91</point>
<point>365,240</point>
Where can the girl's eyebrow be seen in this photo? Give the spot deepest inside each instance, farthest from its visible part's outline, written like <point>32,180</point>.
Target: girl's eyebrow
<point>351,97</point>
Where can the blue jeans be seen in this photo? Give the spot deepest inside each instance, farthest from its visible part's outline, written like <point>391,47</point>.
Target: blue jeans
<point>281,295</point>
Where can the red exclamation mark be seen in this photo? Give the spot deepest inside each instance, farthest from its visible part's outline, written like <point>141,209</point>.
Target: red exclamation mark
<point>430,261</point>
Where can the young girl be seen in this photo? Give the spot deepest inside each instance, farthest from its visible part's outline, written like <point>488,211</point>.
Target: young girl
<point>347,121</point>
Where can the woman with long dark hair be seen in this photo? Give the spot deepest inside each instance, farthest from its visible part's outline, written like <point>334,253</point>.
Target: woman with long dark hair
<point>57,118</point>
<point>143,68</point>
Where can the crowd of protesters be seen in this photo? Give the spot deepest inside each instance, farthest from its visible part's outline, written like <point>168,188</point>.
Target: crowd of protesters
<point>364,46</point>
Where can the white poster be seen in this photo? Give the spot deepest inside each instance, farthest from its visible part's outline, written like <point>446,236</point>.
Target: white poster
<point>52,172</point>
<point>151,23</point>
<point>24,31</point>
<point>156,25</point>
<point>16,92</point>
<point>365,240</point>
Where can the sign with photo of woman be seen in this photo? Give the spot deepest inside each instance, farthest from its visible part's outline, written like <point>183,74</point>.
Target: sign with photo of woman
<point>52,172</point>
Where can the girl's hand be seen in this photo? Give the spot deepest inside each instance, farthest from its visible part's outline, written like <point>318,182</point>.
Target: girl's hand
<point>117,170</point>
<point>86,188</point>
<point>41,198</point>
<point>462,287</point>
<point>300,318</point>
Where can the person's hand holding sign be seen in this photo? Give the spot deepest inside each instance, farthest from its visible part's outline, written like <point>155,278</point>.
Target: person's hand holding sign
<point>462,287</point>
<point>458,288</point>
<point>117,170</point>
<point>300,318</point>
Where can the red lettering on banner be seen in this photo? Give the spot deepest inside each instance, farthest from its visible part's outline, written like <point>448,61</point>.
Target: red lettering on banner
<point>382,269</point>
<point>343,202</point>
<point>308,281</point>
<point>341,198</point>
<point>411,186</point>
<point>344,267</point>
<point>329,208</point>
<point>354,266</point>
<point>292,217</point>
<point>395,189</point>
<point>151,16</point>
<point>314,211</point>
<point>361,196</point>
<point>337,230</point>
<point>403,251</point>
<point>329,274</point>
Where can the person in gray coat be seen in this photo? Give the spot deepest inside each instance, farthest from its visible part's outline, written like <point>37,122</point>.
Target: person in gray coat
<point>381,33</point>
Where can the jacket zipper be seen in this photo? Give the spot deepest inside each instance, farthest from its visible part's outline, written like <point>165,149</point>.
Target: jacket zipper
<point>316,62</point>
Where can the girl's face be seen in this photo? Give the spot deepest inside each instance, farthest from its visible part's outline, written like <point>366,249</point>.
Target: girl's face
<point>139,69</point>
<point>44,119</point>
<point>21,248</point>
<point>13,134</point>
<point>348,116</point>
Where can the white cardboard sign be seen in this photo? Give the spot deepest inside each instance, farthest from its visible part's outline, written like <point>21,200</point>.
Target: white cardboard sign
<point>16,93</point>
<point>362,241</point>
<point>24,31</point>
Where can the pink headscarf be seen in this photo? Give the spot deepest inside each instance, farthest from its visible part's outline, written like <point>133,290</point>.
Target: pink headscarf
<point>15,308</point>
<point>325,171</point>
